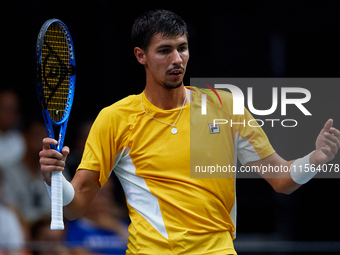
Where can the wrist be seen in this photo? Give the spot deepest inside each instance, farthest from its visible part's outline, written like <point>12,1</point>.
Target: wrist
<point>68,191</point>
<point>313,161</point>
<point>302,170</point>
<point>47,178</point>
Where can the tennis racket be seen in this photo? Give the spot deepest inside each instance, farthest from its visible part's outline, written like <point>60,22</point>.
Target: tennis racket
<point>55,87</point>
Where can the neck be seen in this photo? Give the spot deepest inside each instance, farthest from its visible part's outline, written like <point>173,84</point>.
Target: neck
<point>166,99</point>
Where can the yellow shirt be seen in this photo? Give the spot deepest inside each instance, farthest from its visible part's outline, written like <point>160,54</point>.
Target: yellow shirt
<point>171,212</point>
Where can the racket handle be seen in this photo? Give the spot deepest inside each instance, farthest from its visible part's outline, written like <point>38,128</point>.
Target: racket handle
<point>57,222</point>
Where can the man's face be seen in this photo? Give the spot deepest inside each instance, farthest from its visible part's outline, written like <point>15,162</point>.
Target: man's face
<point>166,60</point>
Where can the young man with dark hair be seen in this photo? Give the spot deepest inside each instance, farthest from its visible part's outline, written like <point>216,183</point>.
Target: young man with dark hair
<point>145,140</point>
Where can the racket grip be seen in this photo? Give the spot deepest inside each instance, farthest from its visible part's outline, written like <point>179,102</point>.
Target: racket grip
<point>57,222</point>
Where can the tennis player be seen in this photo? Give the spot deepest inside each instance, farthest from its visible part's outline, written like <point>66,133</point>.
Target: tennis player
<point>145,140</point>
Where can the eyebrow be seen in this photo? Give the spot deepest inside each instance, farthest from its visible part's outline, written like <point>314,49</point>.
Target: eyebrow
<point>170,46</point>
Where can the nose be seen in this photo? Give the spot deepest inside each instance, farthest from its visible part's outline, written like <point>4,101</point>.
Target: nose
<point>176,58</point>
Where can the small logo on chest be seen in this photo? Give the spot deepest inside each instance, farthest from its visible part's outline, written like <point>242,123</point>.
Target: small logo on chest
<point>214,128</point>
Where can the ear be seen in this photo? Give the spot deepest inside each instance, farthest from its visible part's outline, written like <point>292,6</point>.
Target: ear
<point>140,55</point>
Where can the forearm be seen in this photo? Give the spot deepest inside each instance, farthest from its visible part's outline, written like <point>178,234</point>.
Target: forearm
<point>78,206</point>
<point>303,169</point>
<point>281,181</point>
<point>86,185</point>
<point>78,194</point>
<point>290,175</point>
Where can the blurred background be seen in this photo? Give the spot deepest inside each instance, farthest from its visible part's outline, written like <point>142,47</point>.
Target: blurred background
<point>245,39</point>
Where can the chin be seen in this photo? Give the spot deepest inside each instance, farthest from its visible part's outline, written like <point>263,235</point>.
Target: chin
<point>173,85</point>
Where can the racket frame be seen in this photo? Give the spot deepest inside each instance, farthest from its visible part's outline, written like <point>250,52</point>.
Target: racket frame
<point>56,183</point>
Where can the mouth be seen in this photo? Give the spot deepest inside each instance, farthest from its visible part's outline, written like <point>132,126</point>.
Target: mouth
<point>176,73</point>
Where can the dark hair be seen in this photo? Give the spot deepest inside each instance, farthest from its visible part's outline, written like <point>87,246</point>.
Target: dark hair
<point>157,21</point>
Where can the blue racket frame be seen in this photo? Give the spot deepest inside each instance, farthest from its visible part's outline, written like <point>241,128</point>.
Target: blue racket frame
<point>57,178</point>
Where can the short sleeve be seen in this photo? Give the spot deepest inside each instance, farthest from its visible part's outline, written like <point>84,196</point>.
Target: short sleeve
<point>252,142</point>
<point>100,148</point>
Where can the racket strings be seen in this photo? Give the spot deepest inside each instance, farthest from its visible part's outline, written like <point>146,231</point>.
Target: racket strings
<point>55,72</point>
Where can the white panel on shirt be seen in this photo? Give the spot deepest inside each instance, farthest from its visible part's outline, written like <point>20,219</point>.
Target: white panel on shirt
<point>245,150</point>
<point>137,193</point>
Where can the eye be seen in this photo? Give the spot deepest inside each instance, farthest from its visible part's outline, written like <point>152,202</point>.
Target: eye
<point>182,49</point>
<point>164,51</point>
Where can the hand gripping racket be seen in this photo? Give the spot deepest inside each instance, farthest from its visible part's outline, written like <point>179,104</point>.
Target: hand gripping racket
<point>55,86</point>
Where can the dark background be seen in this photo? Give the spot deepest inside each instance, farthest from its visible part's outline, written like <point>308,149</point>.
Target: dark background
<point>227,39</point>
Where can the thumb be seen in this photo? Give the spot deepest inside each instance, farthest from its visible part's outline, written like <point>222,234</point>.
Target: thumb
<point>65,151</point>
<point>327,126</point>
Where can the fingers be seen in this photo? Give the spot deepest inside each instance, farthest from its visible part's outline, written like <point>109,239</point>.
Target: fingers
<point>335,132</point>
<point>51,164</point>
<point>331,139</point>
<point>47,142</point>
<point>328,153</point>
<point>50,153</point>
<point>52,160</point>
<point>331,147</point>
